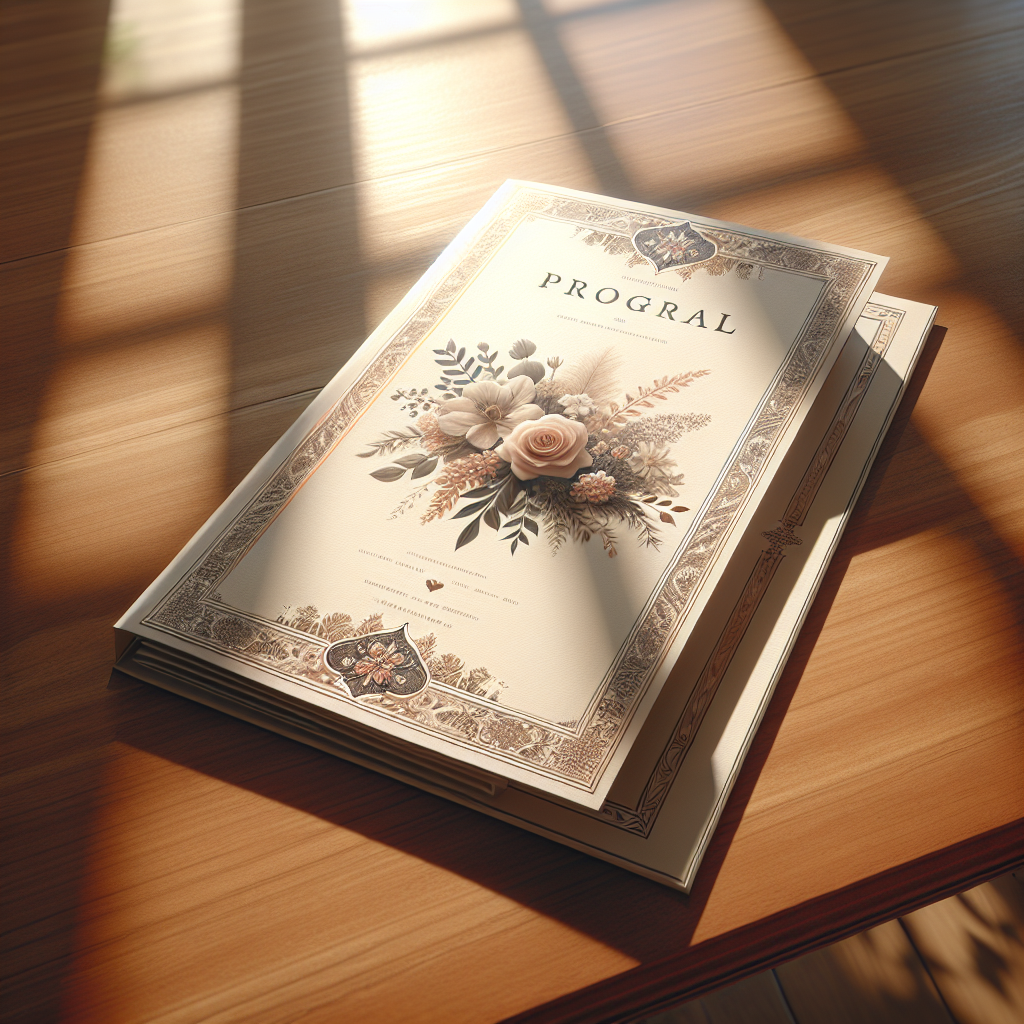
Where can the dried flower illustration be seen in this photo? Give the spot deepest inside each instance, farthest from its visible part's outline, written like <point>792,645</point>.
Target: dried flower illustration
<point>648,458</point>
<point>461,475</point>
<point>434,438</point>
<point>577,457</point>
<point>550,389</point>
<point>447,668</point>
<point>578,407</point>
<point>595,374</point>
<point>595,488</point>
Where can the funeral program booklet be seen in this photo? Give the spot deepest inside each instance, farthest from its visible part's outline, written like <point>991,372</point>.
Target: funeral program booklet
<point>487,541</point>
<point>663,808</point>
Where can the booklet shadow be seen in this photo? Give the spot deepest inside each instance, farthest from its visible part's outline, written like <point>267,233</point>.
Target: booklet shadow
<point>645,920</point>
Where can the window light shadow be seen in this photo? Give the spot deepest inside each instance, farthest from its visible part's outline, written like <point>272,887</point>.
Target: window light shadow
<point>42,175</point>
<point>948,150</point>
<point>272,270</point>
<point>633,915</point>
<point>297,281</point>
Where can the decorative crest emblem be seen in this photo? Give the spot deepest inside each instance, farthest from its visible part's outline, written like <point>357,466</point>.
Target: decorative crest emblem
<point>673,245</point>
<point>385,662</point>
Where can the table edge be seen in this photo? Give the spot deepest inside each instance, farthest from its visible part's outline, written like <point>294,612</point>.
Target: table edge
<point>712,964</point>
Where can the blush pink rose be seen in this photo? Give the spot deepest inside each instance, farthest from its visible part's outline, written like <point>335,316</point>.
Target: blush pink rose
<point>550,446</point>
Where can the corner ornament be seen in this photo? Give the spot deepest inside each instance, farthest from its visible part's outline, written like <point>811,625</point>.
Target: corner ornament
<point>383,662</point>
<point>673,245</point>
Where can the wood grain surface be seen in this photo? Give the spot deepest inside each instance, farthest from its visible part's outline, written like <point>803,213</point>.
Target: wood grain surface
<point>207,205</point>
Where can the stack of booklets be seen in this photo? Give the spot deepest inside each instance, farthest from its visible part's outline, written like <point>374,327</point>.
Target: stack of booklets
<point>544,543</point>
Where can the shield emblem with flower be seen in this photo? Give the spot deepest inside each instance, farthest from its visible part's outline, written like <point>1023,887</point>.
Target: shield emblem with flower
<point>673,245</point>
<point>383,662</point>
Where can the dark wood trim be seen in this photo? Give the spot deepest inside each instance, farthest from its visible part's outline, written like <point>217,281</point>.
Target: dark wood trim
<point>710,965</point>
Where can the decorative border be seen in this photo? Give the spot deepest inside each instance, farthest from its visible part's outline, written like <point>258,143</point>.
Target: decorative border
<point>576,758</point>
<point>640,819</point>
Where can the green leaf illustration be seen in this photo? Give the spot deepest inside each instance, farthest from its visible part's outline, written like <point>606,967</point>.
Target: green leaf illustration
<point>468,534</point>
<point>470,509</point>
<point>507,495</point>
<point>388,473</point>
<point>410,460</point>
<point>479,492</point>
<point>425,468</point>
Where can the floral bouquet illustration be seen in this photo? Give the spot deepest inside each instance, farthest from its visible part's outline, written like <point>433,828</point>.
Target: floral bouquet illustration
<point>533,448</point>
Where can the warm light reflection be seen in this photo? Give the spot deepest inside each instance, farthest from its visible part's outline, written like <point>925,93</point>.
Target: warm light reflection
<point>467,94</point>
<point>437,82</point>
<point>172,380</point>
<point>902,728</point>
<point>376,24</point>
<point>988,371</point>
<point>111,518</point>
<point>142,334</point>
<point>857,206</point>
<point>157,48</point>
<point>164,145</point>
<point>864,206</point>
<point>149,282</point>
<point>707,51</point>
<point>206,902</point>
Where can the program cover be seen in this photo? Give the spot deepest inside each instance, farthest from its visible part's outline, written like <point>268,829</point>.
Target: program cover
<point>492,533</point>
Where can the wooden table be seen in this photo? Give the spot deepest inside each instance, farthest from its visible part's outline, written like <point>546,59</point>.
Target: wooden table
<point>200,230</point>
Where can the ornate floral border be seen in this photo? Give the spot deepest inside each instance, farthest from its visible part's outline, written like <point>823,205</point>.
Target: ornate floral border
<point>577,757</point>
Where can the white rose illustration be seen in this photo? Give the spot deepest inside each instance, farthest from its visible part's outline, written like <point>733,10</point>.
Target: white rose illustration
<point>550,446</point>
<point>488,410</point>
